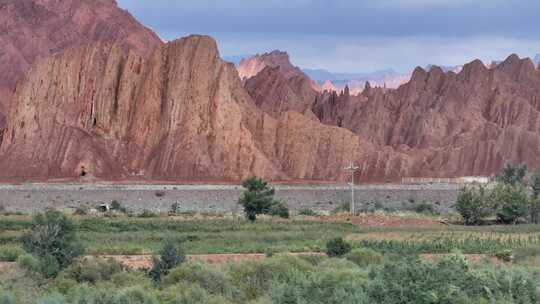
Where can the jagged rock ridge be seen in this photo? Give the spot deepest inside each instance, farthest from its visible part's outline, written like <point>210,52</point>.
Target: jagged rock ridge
<point>181,114</point>
<point>33,29</point>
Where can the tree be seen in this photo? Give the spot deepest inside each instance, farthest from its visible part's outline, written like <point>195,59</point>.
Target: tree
<point>512,174</point>
<point>258,198</point>
<point>53,240</point>
<point>171,255</point>
<point>535,184</point>
<point>511,202</point>
<point>473,205</point>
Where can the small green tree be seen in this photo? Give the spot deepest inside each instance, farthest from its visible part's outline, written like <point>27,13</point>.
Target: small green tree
<point>258,198</point>
<point>53,240</point>
<point>512,174</point>
<point>473,205</point>
<point>511,202</point>
<point>171,255</point>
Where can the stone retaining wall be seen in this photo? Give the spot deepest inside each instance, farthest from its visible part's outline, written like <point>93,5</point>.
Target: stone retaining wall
<point>219,198</point>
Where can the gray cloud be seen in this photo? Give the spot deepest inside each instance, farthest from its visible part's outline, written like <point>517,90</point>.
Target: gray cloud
<point>348,35</point>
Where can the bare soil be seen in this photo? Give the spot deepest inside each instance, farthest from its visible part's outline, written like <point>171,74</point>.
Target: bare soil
<point>380,220</point>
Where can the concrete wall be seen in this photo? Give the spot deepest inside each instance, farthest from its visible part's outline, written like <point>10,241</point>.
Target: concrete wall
<point>219,198</point>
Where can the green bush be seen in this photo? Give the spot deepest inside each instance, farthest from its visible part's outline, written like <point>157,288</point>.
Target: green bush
<point>337,247</point>
<point>10,253</point>
<point>365,257</point>
<point>512,174</point>
<point>279,209</point>
<point>258,198</point>
<point>415,281</point>
<point>53,239</point>
<point>255,278</point>
<point>29,263</point>
<point>535,184</point>
<point>171,255</point>
<point>186,293</point>
<point>473,205</point>
<point>511,202</point>
<point>211,279</point>
<point>92,270</point>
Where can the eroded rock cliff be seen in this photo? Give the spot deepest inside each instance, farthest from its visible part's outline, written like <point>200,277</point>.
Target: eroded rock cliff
<point>33,29</point>
<point>181,114</point>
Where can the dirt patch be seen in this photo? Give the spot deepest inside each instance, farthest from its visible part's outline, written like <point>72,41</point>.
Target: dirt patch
<point>145,261</point>
<point>381,220</point>
<point>5,266</point>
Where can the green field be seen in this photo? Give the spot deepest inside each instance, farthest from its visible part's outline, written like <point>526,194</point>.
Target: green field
<point>383,267</point>
<point>132,235</point>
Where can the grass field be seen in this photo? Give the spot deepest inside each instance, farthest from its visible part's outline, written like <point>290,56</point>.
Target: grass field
<point>131,235</point>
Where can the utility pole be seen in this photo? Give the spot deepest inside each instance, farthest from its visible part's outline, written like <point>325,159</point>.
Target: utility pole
<point>352,169</point>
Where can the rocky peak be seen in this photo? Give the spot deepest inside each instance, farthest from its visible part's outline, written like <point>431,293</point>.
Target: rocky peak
<point>34,29</point>
<point>250,67</point>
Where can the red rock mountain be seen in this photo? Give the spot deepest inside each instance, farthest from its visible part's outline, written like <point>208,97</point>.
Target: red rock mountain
<point>181,114</point>
<point>276,85</point>
<point>439,124</point>
<point>33,29</point>
<point>448,124</point>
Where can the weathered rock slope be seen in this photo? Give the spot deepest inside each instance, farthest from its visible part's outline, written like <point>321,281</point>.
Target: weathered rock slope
<point>469,123</point>
<point>33,29</point>
<point>181,114</point>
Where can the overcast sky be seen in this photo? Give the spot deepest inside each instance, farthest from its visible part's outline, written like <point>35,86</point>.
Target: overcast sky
<point>354,35</point>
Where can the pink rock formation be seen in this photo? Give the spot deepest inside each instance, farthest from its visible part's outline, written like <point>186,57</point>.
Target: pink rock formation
<point>33,29</point>
<point>449,124</point>
<point>180,115</point>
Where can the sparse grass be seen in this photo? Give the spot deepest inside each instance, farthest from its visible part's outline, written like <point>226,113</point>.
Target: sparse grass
<point>225,234</point>
<point>125,235</point>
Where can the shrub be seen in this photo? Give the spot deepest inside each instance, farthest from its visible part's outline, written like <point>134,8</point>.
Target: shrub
<point>211,279</point>
<point>279,209</point>
<point>160,193</point>
<point>29,263</point>
<point>512,174</point>
<point>473,205</point>
<point>53,239</point>
<point>307,212</point>
<point>9,253</point>
<point>415,281</point>
<point>337,247</point>
<point>258,198</point>
<point>92,270</point>
<point>172,255</point>
<point>511,202</point>
<point>365,257</point>
<point>535,184</point>
<point>534,210</point>
<point>255,278</point>
<point>335,281</point>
